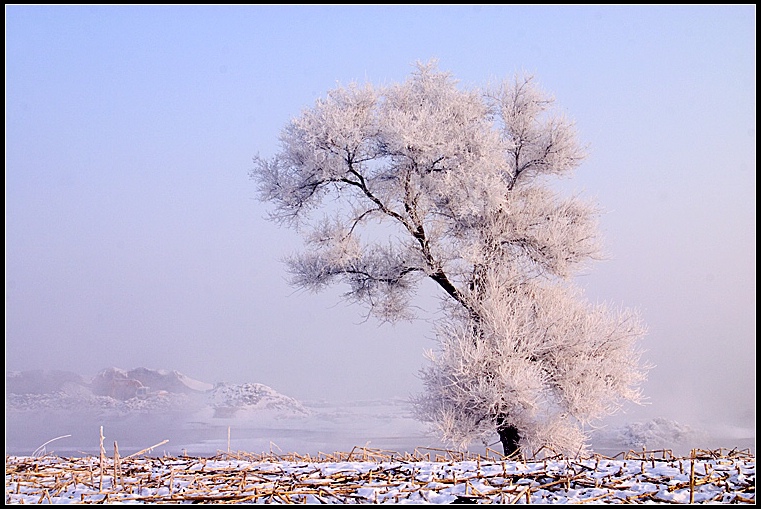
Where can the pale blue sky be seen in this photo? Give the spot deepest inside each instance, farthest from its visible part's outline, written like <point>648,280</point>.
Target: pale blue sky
<point>134,238</point>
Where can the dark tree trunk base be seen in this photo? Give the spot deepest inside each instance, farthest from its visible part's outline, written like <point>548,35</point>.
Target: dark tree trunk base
<point>510,438</point>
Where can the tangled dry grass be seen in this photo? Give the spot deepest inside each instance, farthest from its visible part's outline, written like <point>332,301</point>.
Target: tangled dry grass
<point>366,475</point>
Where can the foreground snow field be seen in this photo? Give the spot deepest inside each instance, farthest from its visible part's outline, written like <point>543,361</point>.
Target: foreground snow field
<point>373,476</point>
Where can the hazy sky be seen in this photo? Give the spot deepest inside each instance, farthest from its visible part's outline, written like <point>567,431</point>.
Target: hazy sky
<point>134,236</point>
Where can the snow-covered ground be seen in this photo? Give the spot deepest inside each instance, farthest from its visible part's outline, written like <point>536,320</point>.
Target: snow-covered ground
<point>226,478</point>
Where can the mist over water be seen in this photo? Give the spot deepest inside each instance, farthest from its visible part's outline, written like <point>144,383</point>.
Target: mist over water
<point>65,417</point>
<point>376,425</point>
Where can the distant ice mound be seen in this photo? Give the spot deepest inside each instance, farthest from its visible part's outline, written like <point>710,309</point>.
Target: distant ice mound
<point>242,400</point>
<point>40,381</point>
<point>113,391</point>
<point>659,433</point>
<point>127,384</point>
<point>49,390</point>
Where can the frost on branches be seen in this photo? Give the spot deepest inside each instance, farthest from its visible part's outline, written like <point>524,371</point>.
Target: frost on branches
<point>424,181</point>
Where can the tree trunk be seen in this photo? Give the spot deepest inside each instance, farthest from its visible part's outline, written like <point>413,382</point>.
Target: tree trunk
<point>509,436</point>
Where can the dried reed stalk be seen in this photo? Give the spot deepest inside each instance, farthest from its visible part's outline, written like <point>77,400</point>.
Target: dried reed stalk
<point>147,449</point>
<point>117,469</point>
<point>692,477</point>
<point>102,460</point>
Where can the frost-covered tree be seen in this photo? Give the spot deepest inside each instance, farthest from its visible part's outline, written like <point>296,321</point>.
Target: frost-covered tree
<point>422,180</point>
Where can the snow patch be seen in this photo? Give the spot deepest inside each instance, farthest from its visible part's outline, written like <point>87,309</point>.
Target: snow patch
<point>230,400</point>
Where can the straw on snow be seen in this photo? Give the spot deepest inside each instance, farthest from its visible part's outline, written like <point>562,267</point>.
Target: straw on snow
<point>366,475</point>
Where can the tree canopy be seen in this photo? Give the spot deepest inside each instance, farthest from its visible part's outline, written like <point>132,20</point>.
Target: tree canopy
<point>422,180</point>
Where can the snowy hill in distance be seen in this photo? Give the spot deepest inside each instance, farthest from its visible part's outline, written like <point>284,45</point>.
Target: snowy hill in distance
<point>119,391</point>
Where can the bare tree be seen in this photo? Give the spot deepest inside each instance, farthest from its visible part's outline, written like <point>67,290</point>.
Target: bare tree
<point>419,181</point>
